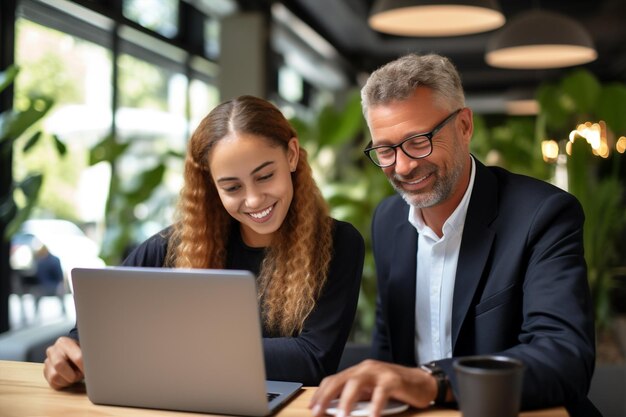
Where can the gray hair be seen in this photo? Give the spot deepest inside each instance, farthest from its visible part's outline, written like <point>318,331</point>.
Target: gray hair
<point>398,79</point>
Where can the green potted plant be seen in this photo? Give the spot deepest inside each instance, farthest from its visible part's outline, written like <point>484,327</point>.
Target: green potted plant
<point>20,127</point>
<point>335,138</point>
<point>594,180</point>
<point>121,232</point>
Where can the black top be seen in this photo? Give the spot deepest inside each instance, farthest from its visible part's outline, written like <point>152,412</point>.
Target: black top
<point>316,351</point>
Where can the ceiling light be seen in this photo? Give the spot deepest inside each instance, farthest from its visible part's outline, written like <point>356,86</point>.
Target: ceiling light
<point>528,107</point>
<point>521,102</point>
<point>539,39</point>
<point>435,17</point>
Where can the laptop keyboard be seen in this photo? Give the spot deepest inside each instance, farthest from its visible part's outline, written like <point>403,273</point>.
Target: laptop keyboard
<point>271,396</point>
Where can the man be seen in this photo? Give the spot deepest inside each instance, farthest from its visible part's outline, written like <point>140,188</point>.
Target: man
<point>49,276</point>
<point>470,259</point>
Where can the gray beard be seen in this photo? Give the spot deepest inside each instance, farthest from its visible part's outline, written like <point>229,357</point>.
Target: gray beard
<point>441,191</point>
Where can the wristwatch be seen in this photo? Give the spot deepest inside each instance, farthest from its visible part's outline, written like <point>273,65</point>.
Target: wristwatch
<point>442,381</point>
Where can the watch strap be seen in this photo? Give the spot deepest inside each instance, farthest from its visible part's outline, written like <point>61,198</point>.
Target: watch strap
<point>440,377</point>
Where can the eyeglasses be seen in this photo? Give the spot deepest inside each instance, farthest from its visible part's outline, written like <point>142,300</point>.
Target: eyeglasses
<point>415,146</point>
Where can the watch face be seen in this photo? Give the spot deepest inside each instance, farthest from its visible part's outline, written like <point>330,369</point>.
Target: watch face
<point>432,369</point>
<point>426,369</point>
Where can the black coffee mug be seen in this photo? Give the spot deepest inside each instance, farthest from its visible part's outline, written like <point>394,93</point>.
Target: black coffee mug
<point>489,385</point>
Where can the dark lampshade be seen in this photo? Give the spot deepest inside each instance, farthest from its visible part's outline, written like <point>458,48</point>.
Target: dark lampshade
<point>540,39</point>
<point>435,17</point>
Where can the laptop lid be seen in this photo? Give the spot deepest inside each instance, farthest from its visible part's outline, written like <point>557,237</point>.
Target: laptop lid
<point>174,339</point>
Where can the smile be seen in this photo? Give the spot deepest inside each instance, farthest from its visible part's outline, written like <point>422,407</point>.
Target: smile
<point>260,215</point>
<point>416,181</point>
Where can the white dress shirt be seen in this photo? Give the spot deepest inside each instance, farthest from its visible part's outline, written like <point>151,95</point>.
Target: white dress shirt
<point>437,260</point>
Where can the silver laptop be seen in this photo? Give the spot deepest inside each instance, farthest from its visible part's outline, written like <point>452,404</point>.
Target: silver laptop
<point>174,339</point>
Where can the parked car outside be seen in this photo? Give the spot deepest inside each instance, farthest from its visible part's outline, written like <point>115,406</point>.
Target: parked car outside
<point>62,238</point>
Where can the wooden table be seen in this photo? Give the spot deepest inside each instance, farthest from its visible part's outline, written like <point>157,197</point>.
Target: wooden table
<point>25,393</point>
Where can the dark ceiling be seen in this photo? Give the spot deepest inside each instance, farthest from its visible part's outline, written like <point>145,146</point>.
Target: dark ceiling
<point>343,23</point>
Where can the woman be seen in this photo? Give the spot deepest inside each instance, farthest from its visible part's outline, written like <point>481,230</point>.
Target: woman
<point>250,202</point>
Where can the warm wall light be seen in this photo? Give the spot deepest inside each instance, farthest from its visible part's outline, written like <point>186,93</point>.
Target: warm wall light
<point>620,146</point>
<point>435,17</point>
<point>540,39</point>
<point>595,134</point>
<point>549,150</point>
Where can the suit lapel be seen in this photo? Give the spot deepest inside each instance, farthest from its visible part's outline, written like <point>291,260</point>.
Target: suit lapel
<point>402,293</point>
<point>475,245</point>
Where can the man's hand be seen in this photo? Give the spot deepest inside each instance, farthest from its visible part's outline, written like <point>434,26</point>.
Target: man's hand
<point>64,363</point>
<point>376,381</point>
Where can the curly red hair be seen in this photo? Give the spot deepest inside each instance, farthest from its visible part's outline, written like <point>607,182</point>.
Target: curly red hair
<point>296,263</point>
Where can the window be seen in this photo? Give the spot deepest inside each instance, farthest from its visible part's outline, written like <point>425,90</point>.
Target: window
<point>160,16</point>
<point>203,97</point>
<point>76,74</point>
<point>290,84</point>
<point>212,37</point>
<point>152,101</point>
<point>161,92</point>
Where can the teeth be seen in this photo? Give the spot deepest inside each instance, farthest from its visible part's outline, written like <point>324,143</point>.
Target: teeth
<point>417,180</point>
<point>263,213</point>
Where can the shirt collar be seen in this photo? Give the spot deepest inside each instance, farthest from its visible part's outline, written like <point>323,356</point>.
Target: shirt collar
<point>454,223</point>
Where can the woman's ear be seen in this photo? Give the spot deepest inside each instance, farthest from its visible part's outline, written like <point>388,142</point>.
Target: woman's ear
<point>293,153</point>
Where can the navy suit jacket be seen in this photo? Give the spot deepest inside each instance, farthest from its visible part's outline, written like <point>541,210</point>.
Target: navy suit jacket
<point>521,286</point>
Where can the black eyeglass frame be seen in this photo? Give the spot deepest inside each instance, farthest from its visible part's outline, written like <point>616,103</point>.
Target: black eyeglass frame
<point>427,135</point>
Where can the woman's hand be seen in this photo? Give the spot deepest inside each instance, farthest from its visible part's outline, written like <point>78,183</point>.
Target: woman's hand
<point>64,363</point>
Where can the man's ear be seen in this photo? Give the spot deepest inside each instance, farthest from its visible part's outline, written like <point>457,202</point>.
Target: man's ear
<point>466,119</point>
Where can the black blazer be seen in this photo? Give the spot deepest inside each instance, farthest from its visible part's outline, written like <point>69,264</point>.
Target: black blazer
<point>521,286</point>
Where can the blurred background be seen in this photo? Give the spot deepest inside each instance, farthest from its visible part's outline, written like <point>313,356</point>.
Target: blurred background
<point>98,99</point>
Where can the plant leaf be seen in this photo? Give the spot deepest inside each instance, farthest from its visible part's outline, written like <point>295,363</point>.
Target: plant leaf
<point>6,121</point>
<point>60,146</point>
<point>349,121</point>
<point>25,119</point>
<point>337,127</point>
<point>8,76</point>
<point>327,122</point>
<point>174,154</point>
<point>146,183</point>
<point>612,107</point>
<point>302,129</point>
<point>30,186</point>
<point>32,141</point>
<point>8,208</point>
<point>549,98</point>
<point>108,149</point>
<point>20,217</point>
<point>583,88</point>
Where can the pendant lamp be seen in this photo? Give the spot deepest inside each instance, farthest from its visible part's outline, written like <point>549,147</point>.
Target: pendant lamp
<point>540,39</point>
<point>435,17</point>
